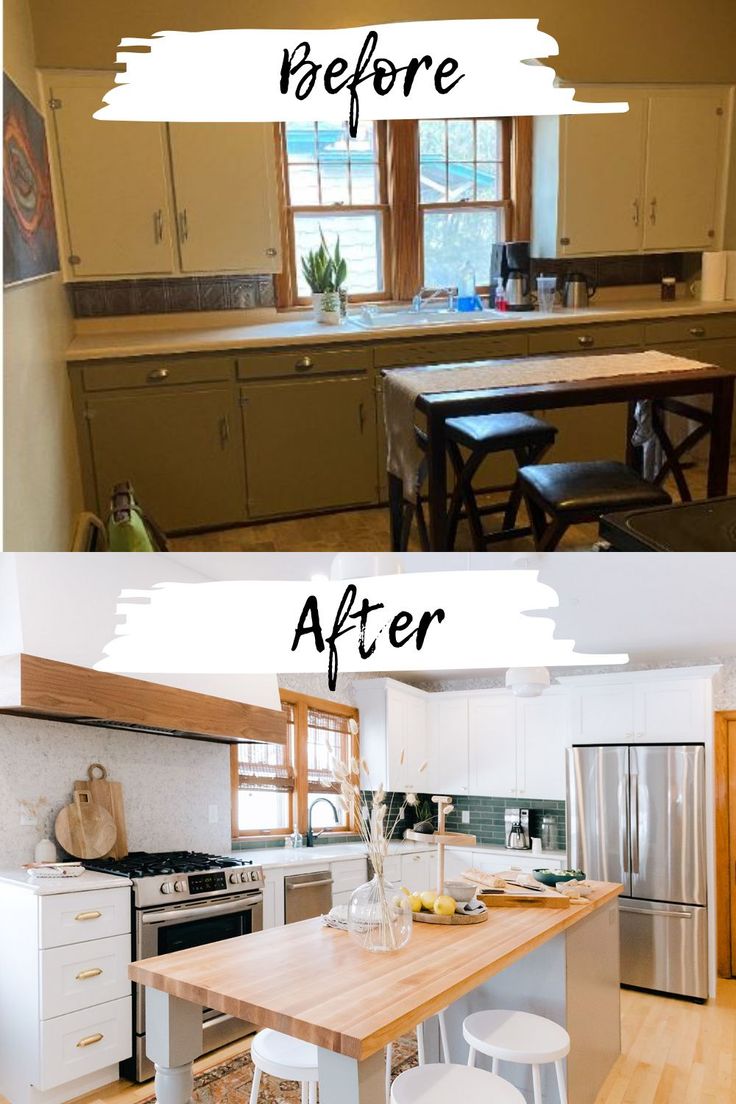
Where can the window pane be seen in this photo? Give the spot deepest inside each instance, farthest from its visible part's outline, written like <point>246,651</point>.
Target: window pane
<point>334,177</point>
<point>453,237</point>
<point>300,142</point>
<point>303,185</point>
<point>488,139</point>
<point>488,180</point>
<point>360,245</point>
<point>432,140</point>
<point>460,144</point>
<point>259,810</point>
<point>460,180</point>
<point>432,182</point>
<point>323,817</point>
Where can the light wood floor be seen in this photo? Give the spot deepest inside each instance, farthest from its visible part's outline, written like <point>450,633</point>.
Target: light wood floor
<point>368,531</point>
<point>673,1052</point>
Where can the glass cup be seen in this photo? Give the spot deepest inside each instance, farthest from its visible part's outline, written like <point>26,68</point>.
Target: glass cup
<point>546,287</point>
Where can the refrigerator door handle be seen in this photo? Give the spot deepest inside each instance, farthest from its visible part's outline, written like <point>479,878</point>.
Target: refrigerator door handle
<point>657,912</point>
<point>635,823</point>
<point>624,844</point>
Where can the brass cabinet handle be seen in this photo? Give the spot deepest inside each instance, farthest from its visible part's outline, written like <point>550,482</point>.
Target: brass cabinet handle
<point>586,340</point>
<point>83,975</point>
<point>635,216</point>
<point>157,374</point>
<point>224,431</point>
<point>697,331</point>
<point>653,210</point>
<point>361,415</point>
<point>158,226</point>
<point>304,364</point>
<point>90,1040</point>
<point>183,225</point>
<point>93,915</point>
<point>271,252</point>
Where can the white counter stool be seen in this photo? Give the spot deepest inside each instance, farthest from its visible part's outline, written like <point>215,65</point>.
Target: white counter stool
<point>437,1082</point>
<point>522,1037</point>
<point>420,1050</point>
<point>287,1058</point>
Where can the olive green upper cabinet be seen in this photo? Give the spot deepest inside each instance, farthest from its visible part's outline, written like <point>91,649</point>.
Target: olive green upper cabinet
<point>225,182</point>
<point>650,179</point>
<point>137,199</point>
<point>113,198</point>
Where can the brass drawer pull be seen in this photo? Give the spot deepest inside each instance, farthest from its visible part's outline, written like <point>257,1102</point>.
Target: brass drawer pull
<point>93,915</point>
<point>158,374</point>
<point>697,331</point>
<point>83,975</point>
<point>586,340</point>
<point>90,1040</point>
<point>304,364</point>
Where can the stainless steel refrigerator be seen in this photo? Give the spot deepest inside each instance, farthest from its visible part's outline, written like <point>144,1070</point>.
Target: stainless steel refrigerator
<point>636,815</point>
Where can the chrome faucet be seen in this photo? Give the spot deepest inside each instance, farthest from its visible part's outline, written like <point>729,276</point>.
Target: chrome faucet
<point>311,837</point>
<point>419,299</point>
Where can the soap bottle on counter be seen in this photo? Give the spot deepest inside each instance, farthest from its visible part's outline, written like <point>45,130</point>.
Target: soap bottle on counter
<point>467,297</point>
<point>499,299</point>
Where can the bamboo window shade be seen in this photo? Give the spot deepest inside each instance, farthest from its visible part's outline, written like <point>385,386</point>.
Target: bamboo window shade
<point>328,735</point>
<point>268,766</point>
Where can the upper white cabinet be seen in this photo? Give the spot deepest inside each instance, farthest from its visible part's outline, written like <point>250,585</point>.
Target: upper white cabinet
<point>658,709</point>
<point>542,735</point>
<point>147,199</point>
<point>492,745</point>
<point>394,734</point>
<point>114,188</point>
<point>651,179</point>
<point>448,768</point>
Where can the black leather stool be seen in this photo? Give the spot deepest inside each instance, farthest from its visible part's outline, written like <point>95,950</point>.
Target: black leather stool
<point>529,438</point>
<point>560,495</point>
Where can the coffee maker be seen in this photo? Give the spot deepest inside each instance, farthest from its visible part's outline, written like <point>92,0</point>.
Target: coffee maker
<point>516,829</point>
<point>510,261</point>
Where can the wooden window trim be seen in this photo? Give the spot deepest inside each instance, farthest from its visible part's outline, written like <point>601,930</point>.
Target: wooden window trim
<point>299,803</point>
<point>725,832</point>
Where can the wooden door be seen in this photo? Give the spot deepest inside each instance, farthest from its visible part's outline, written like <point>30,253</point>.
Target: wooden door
<point>226,196</point>
<point>114,184</point>
<point>309,445</point>
<point>601,173</point>
<point>684,169</point>
<point>725,803</point>
<point>492,745</point>
<point>181,449</point>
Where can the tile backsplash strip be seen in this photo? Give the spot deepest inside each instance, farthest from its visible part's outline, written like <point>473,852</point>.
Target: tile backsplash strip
<point>621,271</point>
<point>487,813</point>
<point>109,298</point>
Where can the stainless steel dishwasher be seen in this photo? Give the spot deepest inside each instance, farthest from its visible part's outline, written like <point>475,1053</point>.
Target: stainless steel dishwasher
<point>307,895</point>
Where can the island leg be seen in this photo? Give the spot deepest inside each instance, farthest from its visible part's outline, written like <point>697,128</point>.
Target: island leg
<point>173,1041</point>
<point>344,1080</point>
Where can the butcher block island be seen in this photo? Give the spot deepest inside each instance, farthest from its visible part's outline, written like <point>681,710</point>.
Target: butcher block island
<point>319,985</point>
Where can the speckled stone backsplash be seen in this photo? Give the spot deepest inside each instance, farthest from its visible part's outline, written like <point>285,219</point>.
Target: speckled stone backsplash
<point>98,299</point>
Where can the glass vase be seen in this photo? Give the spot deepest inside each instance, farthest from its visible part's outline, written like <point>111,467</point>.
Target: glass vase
<point>379,917</point>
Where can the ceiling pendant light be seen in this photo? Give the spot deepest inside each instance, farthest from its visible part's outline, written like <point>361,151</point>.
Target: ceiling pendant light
<point>527,682</point>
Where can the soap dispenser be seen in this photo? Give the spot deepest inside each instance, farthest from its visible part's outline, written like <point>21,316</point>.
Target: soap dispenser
<point>467,298</point>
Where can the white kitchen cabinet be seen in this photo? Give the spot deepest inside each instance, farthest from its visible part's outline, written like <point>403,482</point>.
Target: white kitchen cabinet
<point>448,770</point>
<point>521,860</point>
<point>492,745</point>
<point>656,709</point>
<point>418,870</point>
<point>113,196</point>
<point>394,734</point>
<point>542,735</point>
<point>457,861</point>
<point>226,197</point>
<point>603,714</point>
<point>670,710</point>
<point>269,902</point>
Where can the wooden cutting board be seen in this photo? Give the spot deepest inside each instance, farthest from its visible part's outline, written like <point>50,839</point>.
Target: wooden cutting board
<point>508,898</point>
<point>109,795</point>
<point>85,829</point>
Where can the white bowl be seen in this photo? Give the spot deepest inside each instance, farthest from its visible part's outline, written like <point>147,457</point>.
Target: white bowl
<point>461,891</point>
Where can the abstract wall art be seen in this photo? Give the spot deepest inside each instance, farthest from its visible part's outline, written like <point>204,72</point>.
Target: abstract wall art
<point>30,247</point>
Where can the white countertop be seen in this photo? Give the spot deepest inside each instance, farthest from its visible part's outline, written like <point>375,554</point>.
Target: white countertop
<point>100,345</point>
<point>44,886</point>
<point>328,853</point>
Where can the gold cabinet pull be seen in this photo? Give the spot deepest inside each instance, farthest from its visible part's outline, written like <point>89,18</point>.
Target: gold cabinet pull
<point>304,364</point>
<point>585,339</point>
<point>157,374</point>
<point>93,915</point>
<point>697,331</point>
<point>83,975</point>
<point>90,1040</point>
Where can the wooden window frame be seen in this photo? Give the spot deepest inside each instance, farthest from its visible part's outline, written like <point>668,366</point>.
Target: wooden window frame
<point>403,214</point>
<point>299,805</point>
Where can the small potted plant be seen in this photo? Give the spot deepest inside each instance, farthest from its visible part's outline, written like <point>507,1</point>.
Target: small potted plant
<point>425,818</point>
<point>325,272</point>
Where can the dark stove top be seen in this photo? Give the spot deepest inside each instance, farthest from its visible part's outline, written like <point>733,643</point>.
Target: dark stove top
<point>145,864</point>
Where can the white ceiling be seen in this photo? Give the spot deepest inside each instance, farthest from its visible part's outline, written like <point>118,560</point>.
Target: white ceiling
<point>656,607</point>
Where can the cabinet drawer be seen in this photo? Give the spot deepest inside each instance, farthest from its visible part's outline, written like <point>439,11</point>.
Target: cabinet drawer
<point>305,362</point>
<point>76,917</point>
<point>82,1042</point>
<point>347,876</point>
<point>440,350</point>
<point>84,974</point>
<point>690,329</point>
<point>584,338</point>
<point>157,373</point>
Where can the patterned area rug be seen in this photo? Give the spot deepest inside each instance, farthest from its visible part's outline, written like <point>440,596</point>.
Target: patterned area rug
<point>230,1082</point>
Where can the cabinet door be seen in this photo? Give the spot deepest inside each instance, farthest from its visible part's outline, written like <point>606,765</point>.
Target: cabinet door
<point>492,745</point>
<point>417,871</point>
<point>415,742</point>
<point>670,711</point>
<point>603,714</point>
<point>310,445</point>
<point>684,167</point>
<point>451,767</point>
<point>115,191</point>
<point>543,733</point>
<point>396,751</point>
<point>457,861</point>
<point>181,449</point>
<point>602,161</point>
<point>226,196</point>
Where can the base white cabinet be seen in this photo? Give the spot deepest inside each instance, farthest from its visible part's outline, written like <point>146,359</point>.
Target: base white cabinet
<point>82,1042</point>
<point>84,974</point>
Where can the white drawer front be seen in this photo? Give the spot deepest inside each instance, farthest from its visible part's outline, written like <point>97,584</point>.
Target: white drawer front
<point>392,868</point>
<point>82,1042</point>
<point>348,875</point>
<point>75,917</point>
<point>83,974</point>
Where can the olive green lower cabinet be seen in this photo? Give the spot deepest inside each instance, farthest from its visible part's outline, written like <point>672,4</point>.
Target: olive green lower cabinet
<point>309,444</point>
<point>181,448</point>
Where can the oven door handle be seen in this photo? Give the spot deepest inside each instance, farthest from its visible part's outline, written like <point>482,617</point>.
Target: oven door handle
<point>185,914</point>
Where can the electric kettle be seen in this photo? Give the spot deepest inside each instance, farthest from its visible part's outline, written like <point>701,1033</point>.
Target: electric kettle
<point>516,840</point>
<point>517,291</point>
<point>577,292</point>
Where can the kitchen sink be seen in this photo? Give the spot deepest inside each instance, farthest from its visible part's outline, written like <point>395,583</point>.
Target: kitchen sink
<point>396,319</point>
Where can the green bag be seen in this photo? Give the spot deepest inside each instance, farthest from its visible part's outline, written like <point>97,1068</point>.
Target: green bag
<point>128,527</point>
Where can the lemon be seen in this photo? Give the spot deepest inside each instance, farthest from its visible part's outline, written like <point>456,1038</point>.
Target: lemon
<point>428,898</point>
<point>415,902</point>
<point>445,906</point>
<point>405,891</point>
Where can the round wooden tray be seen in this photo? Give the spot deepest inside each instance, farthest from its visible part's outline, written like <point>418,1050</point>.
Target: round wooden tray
<point>456,918</point>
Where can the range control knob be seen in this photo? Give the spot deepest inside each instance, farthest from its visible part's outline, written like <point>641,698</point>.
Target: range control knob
<point>254,875</point>
<point>234,878</point>
<point>167,887</point>
<point>180,887</point>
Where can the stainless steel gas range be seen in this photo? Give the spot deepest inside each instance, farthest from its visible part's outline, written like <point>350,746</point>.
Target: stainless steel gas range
<point>185,899</point>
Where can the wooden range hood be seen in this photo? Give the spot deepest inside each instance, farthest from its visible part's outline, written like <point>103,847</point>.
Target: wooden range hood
<point>34,687</point>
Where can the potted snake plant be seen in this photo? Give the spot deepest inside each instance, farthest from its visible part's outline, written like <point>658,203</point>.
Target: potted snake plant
<point>325,272</point>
